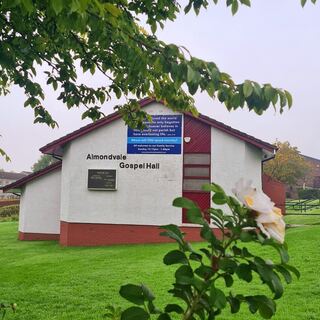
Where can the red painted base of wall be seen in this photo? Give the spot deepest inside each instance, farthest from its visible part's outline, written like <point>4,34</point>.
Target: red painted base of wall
<point>94,234</point>
<point>38,236</point>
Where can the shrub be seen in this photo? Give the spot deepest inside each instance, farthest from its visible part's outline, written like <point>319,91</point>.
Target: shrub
<point>9,213</point>
<point>309,193</point>
<point>200,294</point>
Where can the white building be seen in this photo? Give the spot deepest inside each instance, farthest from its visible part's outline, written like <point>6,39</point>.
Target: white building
<point>116,185</point>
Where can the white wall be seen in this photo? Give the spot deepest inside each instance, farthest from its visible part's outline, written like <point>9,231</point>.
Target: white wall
<point>232,159</point>
<point>40,204</point>
<point>144,197</point>
<point>253,165</point>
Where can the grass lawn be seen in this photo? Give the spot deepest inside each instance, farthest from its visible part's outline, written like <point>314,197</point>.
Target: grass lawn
<point>307,219</point>
<point>51,282</point>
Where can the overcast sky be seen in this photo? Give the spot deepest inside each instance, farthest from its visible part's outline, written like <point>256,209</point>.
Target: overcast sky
<point>273,42</point>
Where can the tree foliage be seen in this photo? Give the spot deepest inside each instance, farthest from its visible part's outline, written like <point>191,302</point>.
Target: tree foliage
<point>288,166</point>
<point>60,38</point>
<point>44,161</point>
<point>107,37</point>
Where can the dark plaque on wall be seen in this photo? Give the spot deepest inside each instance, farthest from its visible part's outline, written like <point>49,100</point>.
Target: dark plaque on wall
<point>102,179</point>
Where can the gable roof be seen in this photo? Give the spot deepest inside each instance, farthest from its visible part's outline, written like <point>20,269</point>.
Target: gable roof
<point>21,182</point>
<point>307,158</point>
<point>11,175</point>
<point>55,147</point>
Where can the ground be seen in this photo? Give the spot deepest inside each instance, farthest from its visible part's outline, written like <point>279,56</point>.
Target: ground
<point>51,282</point>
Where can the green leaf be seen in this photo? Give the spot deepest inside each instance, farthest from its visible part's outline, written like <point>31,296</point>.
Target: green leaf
<point>289,98</point>
<point>246,2</point>
<point>132,293</point>
<point>234,304</point>
<point>303,2</point>
<point>153,27</point>
<point>3,154</point>
<point>206,233</point>
<point>152,308</point>
<point>195,257</point>
<point>193,76</point>
<point>28,5</point>
<point>55,85</point>
<point>271,278</point>
<point>217,298</point>
<point>244,272</point>
<point>283,99</point>
<point>247,88</point>
<point>190,74</point>
<point>147,293</point>
<point>245,236</point>
<point>188,7</point>
<point>228,280</point>
<point>286,274</point>
<point>227,265</point>
<point>174,229</point>
<point>174,257</point>
<point>115,11</point>
<point>234,7</point>
<point>184,203</point>
<point>173,236</point>
<point>269,92</point>
<point>219,198</point>
<point>134,313</point>
<point>283,254</point>
<point>184,275</point>
<point>164,316</point>
<point>246,253</point>
<point>293,270</point>
<point>195,216</point>
<point>211,89</point>
<point>57,6</point>
<point>266,306</point>
<point>204,272</point>
<point>213,187</point>
<point>173,308</point>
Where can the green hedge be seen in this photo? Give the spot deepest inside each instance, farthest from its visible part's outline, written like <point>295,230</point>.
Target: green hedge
<point>9,213</point>
<point>309,193</point>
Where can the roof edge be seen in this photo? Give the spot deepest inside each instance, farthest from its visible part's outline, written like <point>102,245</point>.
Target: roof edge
<point>310,158</point>
<point>21,182</point>
<point>56,144</point>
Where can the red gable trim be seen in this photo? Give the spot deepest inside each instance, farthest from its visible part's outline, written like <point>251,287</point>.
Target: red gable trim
<point>54,145</point>
<point>21,182</point>
<point>50,147</point>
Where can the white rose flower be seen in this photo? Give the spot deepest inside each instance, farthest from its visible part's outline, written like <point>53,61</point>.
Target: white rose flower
<point>269,218</point>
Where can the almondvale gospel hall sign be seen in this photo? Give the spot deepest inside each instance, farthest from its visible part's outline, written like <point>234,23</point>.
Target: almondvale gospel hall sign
<point>162,136</point>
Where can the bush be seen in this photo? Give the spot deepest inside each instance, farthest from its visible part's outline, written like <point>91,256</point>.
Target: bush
<point>9,213</point>
<point>198,290</point>
<point>309,193</point>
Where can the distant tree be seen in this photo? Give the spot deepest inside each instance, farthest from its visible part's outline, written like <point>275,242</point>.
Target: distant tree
<point>44,161</point>
<point>288,166</point>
